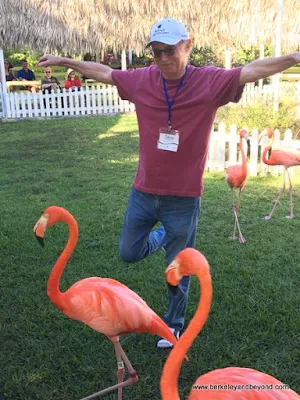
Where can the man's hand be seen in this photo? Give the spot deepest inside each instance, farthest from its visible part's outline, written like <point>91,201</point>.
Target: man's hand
<point>48,59</point>
<point>297,57</point>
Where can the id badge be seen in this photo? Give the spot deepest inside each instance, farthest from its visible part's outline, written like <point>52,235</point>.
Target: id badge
<point>168,139</point>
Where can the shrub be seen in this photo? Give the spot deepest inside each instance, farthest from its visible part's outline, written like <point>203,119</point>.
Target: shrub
<point>260,116</point>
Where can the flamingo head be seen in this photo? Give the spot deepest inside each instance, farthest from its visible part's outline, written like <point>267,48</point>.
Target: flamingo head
<point>50,216</point>
<point>266,132</point>
<point>188,262</point>
<point>244,133</point>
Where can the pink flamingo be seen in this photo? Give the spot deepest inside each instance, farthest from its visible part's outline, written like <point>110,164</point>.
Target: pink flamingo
<point>286,156</point>
<point>104,304</point>
<point>232,383</point>
<point>236,177</point>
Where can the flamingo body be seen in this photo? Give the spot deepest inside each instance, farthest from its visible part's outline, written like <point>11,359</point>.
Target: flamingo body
<point>110,307</point>
<point>104,304</point>
<point>238,380</point>
<point>285,156</point>
<point>233,383</point>
<point>236,177</point>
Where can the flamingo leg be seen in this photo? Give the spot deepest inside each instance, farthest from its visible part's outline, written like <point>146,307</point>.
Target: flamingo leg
<point>291,196</point>
<point>121,360</point>
<point>282,190</point>
<point>235,208</point>
<point>235,218</point>
<point>120,371</point>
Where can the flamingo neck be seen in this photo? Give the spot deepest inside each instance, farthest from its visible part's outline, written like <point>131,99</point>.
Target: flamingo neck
<point>53,290</point>
<point>168,383</point>
<point>244,158</point>
<point>266,150</point>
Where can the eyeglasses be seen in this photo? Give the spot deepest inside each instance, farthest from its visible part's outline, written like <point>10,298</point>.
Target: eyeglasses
<point>169,51</point>
<point>48,72</point>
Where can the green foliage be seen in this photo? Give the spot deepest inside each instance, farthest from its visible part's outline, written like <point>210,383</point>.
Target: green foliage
<point>244,56</point>
<point>260,116</point>
<point>204,56</point>
<point>15,56</point>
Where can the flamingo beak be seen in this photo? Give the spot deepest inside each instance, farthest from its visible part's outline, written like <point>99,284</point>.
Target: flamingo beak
<point>173,288</point>
<point>40,240</point>
<point>261,135</point>
<point>172,274</point>
<point>39,229</point>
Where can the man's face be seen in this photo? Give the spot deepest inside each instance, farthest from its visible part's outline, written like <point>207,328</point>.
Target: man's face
<point>171,59</point>
<point>24,65</point>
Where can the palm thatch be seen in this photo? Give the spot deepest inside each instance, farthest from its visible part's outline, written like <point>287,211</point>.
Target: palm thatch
<point>79,26</point>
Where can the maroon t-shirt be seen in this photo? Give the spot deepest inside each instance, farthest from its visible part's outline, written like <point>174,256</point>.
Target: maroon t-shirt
<point>203,90</point>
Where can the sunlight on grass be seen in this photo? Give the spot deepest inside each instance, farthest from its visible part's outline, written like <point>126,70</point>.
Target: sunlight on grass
<point>127,123</point>
<point>34,377</point>
<point>128,160</point>
<point>106,135</point>
<point>114,134</point>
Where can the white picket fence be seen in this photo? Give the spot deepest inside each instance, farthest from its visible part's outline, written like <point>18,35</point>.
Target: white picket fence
<point>267,93</point>
<point>224,150</point>
<point>93,100</point>
<point>104,99</point>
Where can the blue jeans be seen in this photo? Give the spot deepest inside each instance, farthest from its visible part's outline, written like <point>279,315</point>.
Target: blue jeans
<point>179,217</point>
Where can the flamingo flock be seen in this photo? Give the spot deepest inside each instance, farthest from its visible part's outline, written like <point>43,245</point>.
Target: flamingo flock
<point>113,309</point>
<point>236,175</point>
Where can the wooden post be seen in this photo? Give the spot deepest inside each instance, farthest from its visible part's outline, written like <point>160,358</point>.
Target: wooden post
<point>276,78</point>
<point>130,56</point>
<point>261,57</point>
<point>123,60</point>
<point>227,58</point>
<point>3,84</point>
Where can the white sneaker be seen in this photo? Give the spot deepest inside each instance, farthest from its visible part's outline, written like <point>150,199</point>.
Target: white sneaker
<point>164,343</point>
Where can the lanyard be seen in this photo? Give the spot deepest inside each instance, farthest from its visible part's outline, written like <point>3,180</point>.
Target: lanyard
<point>170,103</point>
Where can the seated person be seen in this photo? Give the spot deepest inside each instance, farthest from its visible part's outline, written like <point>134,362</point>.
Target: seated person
<point>72,83</point>
<point>25,74</point>
<point>49,82</point>
<point>9,74</point>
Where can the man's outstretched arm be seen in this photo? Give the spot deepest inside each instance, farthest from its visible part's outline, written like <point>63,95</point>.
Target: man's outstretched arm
<point>99,72</point>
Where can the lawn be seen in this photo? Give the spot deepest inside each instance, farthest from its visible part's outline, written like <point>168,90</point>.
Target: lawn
<point>87,166</point>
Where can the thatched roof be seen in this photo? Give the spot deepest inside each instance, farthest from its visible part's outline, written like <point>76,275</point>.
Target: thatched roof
<point>79,26</point>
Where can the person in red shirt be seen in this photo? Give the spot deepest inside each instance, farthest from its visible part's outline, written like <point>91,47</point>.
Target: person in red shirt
<point>175,105</point>
<point>73,82</point>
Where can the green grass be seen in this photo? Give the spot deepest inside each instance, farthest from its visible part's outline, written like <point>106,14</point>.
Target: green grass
<point>87,166</point>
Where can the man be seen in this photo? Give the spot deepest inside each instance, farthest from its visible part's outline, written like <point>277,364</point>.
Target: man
<point>49,82</point>
<point>175,104</point>
<point>25,74</point>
